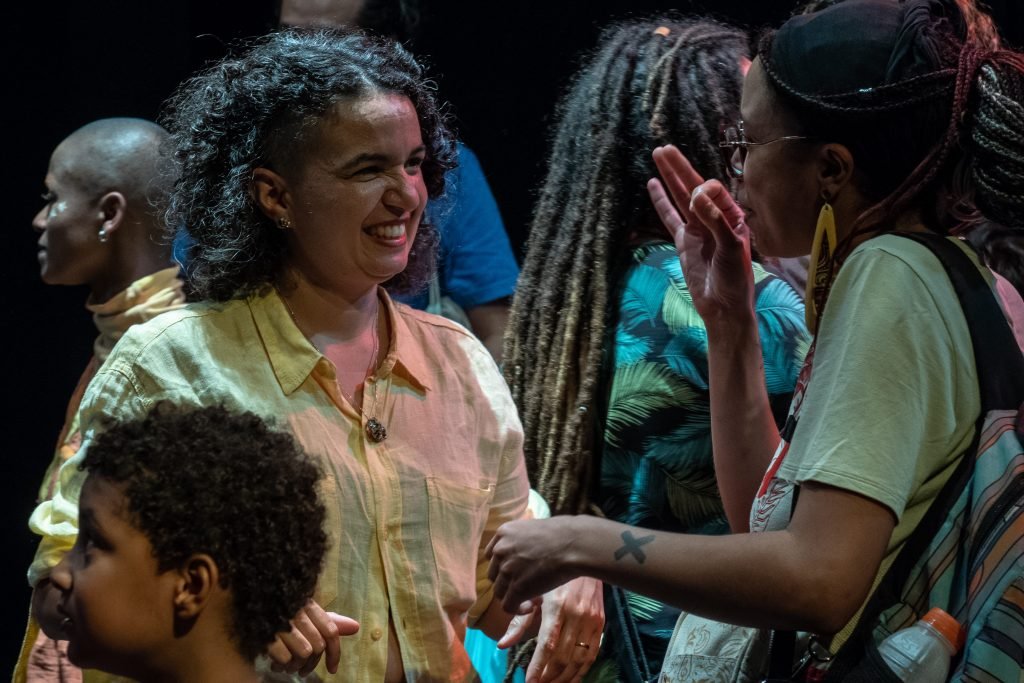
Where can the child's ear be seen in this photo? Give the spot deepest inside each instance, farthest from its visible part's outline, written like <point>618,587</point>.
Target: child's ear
<point>197,578</point>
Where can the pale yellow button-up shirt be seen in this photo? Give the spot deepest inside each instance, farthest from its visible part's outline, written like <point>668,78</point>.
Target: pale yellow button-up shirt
<point>408,518</point>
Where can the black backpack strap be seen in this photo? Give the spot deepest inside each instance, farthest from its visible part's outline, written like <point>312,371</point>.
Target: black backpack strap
<point>1000,363</point>
<point>1000,369</point>
<point>781,653</point>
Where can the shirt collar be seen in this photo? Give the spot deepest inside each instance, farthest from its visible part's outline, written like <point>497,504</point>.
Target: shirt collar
<point>405,355</point>
<point>291,355</point>
<point>143,300</point>
<point>294,358</point>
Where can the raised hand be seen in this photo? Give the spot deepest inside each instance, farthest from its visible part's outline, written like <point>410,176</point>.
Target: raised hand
<point>710,235</point>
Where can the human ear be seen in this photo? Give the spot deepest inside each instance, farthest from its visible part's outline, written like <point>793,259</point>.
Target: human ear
<point>197,578</point>
<point>835,169</point>
<point>113,207</point>
<point>270,192</point>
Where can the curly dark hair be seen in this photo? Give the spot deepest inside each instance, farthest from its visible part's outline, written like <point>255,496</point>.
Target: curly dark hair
<point>262,108</point>
<point>650,82</point>
<point>208,480</point>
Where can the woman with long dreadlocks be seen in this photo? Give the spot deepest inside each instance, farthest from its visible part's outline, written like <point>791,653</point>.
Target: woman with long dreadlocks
<point>872,131</point>
<point>606,355</point>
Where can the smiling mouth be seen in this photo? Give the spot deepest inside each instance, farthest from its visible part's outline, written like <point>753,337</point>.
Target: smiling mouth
<point>389,231</point>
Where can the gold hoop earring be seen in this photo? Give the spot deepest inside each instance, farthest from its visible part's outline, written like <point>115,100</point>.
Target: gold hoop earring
<point>822,250</point>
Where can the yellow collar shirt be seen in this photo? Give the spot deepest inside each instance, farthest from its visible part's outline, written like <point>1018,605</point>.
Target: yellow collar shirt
<point>408,516</point>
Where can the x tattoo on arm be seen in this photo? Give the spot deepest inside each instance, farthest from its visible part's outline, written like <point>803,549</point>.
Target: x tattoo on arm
<point>632,545</point>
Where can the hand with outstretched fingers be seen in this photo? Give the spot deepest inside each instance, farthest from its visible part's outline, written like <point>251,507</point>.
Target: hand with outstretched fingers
<point>710,235</point>
<point>314,633</point>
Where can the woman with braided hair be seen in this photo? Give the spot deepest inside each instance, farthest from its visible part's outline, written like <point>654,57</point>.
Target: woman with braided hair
<point>606,355</point>
<point>867,118</point>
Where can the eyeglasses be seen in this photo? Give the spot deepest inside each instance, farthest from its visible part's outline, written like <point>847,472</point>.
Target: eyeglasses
<point>733,144</point>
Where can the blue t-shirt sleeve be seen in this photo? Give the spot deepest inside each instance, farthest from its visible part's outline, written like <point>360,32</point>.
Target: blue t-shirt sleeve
<point>477,264</point>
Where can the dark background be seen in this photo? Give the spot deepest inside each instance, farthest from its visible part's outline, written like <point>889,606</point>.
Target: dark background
<point>502,66</point>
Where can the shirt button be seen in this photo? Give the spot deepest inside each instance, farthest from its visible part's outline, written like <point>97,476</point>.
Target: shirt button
<point>376,634</point>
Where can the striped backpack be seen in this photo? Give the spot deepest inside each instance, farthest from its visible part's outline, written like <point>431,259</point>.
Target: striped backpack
<point>967,554</point>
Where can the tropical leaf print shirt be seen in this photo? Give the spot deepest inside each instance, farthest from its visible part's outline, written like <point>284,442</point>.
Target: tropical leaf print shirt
<point>656,464</point>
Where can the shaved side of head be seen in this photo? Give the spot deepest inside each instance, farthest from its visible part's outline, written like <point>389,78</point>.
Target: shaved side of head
<point>122,155</point>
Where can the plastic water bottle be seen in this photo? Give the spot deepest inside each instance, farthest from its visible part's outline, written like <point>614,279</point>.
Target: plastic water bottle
<point>922,652</point>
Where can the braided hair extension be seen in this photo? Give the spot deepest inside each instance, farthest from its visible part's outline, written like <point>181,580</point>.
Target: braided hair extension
<point>946,142</point>
<point>639,89</point>
<point>996,141</point>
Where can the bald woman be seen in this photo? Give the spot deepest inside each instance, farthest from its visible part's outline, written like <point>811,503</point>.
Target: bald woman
<point>100,228</point>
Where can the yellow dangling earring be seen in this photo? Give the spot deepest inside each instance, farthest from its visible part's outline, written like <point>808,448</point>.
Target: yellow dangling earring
<point>822,250</point>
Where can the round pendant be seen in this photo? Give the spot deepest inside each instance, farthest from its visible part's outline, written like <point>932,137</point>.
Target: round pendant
<point>375,430</point>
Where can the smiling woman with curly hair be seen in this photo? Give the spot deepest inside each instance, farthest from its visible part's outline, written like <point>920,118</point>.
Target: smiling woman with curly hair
<point>304,167</point>
<point>264,110</point>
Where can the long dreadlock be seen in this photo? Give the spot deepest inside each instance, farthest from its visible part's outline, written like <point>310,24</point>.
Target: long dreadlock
<point>641,88</point>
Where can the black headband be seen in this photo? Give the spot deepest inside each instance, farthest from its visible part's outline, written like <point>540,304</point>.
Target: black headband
<point>857,46</point>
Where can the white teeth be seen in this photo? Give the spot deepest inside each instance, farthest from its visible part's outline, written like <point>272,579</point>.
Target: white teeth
<point>389,232</point>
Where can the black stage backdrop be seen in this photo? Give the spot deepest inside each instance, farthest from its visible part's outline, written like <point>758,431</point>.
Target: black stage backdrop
<point>501,65</point>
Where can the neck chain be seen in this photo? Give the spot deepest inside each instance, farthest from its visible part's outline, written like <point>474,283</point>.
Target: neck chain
<point>375,430</point>
<point>370,367</point>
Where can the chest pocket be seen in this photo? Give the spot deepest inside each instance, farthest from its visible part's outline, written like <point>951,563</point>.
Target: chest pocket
<point>457,517</point>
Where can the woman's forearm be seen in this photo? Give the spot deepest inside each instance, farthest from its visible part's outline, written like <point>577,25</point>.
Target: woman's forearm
<point>812,576</point>
<point>767,580</point>
<point>720,577</point>
<point>743,428</point>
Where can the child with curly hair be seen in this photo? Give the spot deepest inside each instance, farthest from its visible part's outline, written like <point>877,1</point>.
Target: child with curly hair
<point>168,580</point>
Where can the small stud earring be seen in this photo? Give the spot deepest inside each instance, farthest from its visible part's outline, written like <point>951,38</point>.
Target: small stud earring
<point>284,223</point>
<point>103,234</point>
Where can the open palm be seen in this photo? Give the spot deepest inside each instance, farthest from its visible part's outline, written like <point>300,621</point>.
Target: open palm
<point>710,235</point>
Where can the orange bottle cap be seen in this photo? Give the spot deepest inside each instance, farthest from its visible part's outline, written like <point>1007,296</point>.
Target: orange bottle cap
<point>949,627</point>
